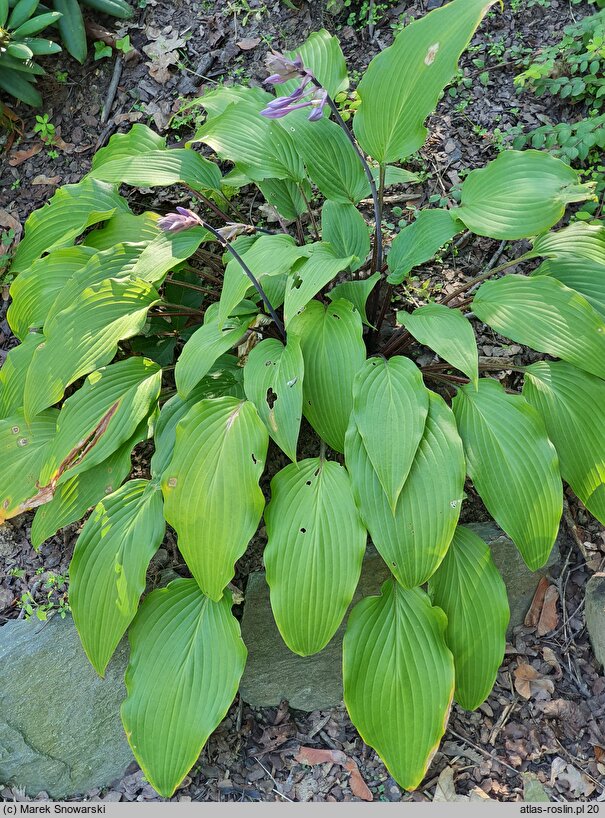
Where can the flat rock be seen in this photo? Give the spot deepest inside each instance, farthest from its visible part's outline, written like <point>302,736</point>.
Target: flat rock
<point>60,728</point>
<point>595,615</point>
<point>274,673</point>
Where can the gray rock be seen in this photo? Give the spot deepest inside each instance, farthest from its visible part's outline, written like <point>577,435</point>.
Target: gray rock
<point>595,615</point>
<point>274,673</point>
<point>60,728</point>
<point>521,583</point>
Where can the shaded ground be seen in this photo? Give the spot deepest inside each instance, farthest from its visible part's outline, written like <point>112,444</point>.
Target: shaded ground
<point>546,713</point>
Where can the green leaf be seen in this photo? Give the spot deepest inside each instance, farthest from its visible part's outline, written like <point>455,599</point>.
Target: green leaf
<point>314,552</point>
<point>186,661</point>
<point>13,371</point>
<point>139,140</point>
<point>519,194</point>
<point>413,540</point>
<point>343,226</point>
<point>102,415</point>
<point>225,378</point>
<point>216,101</point>
<point>108,568</point>
<point>582,275</point>
<point>285,196</point>
<point>84,337</point>
<point>165,252</point>
<point>23,448</point>
<point>205,346</point>
<point>333,352</point>
<point>513,466</point>
<point>390,406</point>
<point>73,498</point>
<point>125,227</point>
<point>357,292</point>
<point>219,455</point>
<point>310,276</point>
<point>420,240</point>
<point>468,587</point>
<point>71,210</point>
<point>268,256</point>
<point>572,405</point>
<point>321,52</point>
<point>329,157</point>
<point>273,381</point>
<point>578,240</point>
<point>260,147</point>
<point>546,315</point>
<point>401,86</point>
<point>159,168</point>
<point>448,333</point>
<point>34,290</point>
<point>399,678</point>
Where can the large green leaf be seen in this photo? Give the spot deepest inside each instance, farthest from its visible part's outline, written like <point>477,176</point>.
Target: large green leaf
<point>221,96</point>
<point>582,275</point>
<point>420,240</point>
<point>310,275</point>
<point>572,405</point>
<point>102,415</point>
<point>108,568</point>
<point>314,552</point>
<point>23,448</point>
<point>577,240</point>
<point>343,226</point>
<point>546,315</point>
<point>224,378</point>
<point>268,256</point>
<point>513,466</point>
<point>161,168</point>
<point>211,492</point>
<point>321,52</point>
<point>285,196</point>
<point>186,661</point>
<point>519,194</point>
<point>333,352</point>
<point>447,332</point>
<point>260,147</point>
<point>13,371</point>
<point>205,346</point>
<point>73,498</point>
<point>138,140</point>
<point>357,292</point>
<point>71,210</point>
<point>35,289</point>
<point>468,587</point>
<point>125,227</point>
<point>413,540</point>
<point>402,84</point>
<point>329,157</point>
<point>273,381</point>
<point>390,406</point>
<point>399,678</point>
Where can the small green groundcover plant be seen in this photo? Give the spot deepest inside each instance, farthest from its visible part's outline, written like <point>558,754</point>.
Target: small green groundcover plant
<point>285,326</point>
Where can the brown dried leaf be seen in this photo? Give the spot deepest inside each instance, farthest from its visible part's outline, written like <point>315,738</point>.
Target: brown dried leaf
<point>549,618</point>
<point>41,179</point>
<point>535,609</point>
<point>315,755</point>
<point>19,157</point>
<point>529,682</point>
<point>248,43</point>
<point>358,786</point>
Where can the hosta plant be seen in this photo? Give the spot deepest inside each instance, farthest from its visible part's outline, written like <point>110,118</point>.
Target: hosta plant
<point>214,337</point>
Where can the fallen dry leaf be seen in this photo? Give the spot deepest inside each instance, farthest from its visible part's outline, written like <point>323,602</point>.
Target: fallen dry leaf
<point>535,609</point>
<point>248,43</point>
<point>163,53</point>
<point>358,786</point>
<point>578,783</point>
<point>315,755</point>
<point>551,659</point>
<point>19,157</point>
<point>549,618</point>
<point>41,179</point>
<point>445,790</point>
<point>529,682</point>
<point>599,754</point>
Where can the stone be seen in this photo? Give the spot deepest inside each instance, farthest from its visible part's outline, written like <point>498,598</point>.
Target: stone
<point>60,728</point>
<point>274,673</point>
<point>594,612</point>
<point>521,583</point>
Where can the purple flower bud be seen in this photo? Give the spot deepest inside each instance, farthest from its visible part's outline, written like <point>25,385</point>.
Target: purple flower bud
<point>182,220</point>
<point>282,68</point>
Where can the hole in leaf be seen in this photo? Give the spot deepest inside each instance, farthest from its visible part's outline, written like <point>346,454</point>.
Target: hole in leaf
<point>308,482</point>
<point>303,530</point>
<point>254,460</point>
<point>270,397</point>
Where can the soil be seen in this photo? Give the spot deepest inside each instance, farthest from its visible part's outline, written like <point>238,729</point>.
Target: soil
<point>545,716</point>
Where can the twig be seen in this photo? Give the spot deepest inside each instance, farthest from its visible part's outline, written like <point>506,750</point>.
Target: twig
<point>485,752</point>
<point>573,530</point>
<point>111,91</point>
